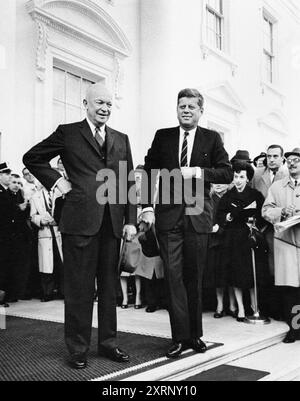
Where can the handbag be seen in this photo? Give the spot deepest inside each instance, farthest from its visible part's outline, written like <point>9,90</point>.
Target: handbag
<point>149,243</point>
<point>130,255</point>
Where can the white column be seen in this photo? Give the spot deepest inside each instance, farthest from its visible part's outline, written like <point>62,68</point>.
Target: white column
<point>169,51</point>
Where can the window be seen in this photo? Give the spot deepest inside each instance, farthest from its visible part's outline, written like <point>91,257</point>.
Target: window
<point>215,24</point>
<point>68,93</point>
<point>268,51</point>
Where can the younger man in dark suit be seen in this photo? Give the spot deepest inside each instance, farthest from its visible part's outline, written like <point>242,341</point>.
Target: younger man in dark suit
<point>198,156</point>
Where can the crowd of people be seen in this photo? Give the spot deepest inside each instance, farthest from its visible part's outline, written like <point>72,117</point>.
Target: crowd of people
<point>52,246</point>
<point>31,249</point>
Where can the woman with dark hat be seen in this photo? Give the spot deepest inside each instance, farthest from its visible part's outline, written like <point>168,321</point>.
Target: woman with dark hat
<point>237,210</point>
<point>241,156</point>
<point>216,274</point>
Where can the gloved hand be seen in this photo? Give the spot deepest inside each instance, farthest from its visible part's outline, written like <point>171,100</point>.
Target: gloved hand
<point>235,211</point>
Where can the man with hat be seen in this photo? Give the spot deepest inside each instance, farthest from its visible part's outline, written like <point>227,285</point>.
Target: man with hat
<point>260,161</point>
<point>263,179</point>
<point>283,202</point>
<point>6,221</point>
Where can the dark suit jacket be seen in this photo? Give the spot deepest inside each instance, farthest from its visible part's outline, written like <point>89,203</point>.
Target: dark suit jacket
<point>208,153</point>
<point>6,213</point>
<point>82,159</point>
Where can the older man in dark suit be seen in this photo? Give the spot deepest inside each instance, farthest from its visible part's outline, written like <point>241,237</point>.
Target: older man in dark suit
<point>91,227</point>
<point>196,155</point>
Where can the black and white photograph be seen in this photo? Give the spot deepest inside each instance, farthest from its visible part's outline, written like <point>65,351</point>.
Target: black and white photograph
<point>149,193</point>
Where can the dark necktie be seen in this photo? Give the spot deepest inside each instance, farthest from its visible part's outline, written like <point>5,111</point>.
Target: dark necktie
<point>184,151</point>
<point>98,137</point>
<point>50,200</point>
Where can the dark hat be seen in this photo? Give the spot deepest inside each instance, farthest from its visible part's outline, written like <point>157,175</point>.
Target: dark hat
<point>4,168</point>
<point>240,165</point>
<point>262,155</point>
<point>295,152</point>
<point>241,155</point>
<point>139,167</point>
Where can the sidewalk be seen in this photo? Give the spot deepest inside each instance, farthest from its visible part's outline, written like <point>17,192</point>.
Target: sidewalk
<point>240,340</point>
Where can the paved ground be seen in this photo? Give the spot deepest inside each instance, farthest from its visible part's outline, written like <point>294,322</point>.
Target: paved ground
<point>239,340</point>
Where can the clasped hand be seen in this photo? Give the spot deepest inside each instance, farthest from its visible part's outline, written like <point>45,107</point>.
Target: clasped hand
<point>289,211</point>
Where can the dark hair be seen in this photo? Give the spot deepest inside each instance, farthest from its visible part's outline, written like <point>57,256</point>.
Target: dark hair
<point>25,168</point>
<point>15,175</point>
<point>188,92</point>
<point>239,166</point>
<point>276,147</point>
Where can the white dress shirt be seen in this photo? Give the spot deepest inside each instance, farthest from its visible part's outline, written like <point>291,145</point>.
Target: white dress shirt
<point>93,129</point>
<point>190,141</point>
<point>102,133</point>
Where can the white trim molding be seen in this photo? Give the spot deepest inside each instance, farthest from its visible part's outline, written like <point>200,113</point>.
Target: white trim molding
<point>43,11</point>
<point>224,94</point>
<point>276,121</point>
<point>224,55</point>
<point>84,38</point>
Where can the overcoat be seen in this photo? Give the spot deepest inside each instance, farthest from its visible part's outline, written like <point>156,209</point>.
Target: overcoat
<point>282,194</point>
<point>45,238</point>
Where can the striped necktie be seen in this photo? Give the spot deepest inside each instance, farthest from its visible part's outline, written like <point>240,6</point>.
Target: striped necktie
<point>184,151</point>
<point>98,137</point>
<point>50,204</point>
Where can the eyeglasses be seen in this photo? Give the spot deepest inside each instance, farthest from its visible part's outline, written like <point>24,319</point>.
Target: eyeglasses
<point>296,160</point>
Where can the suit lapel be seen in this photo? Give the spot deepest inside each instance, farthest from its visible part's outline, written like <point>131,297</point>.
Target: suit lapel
<point>88,135</point>
<point>198,146</point>
<point>110,138</point>
<point>174,146</point>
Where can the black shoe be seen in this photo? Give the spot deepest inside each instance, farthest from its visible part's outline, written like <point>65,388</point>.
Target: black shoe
<point>124,306</point>
<point>4,305</point>
<point>115,354</point>
<point>232,313</point>
<point>151,309</point>
<point>138,306</point>
<point>199,346</point>
<point>241,319</point>
<point>219,315</point>
<point>176,350</point>
<point>26,298</point>
<point>289,338</point>
<point>78,361</point>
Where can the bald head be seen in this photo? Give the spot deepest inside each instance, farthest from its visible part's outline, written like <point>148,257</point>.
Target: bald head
<point>98,104</point>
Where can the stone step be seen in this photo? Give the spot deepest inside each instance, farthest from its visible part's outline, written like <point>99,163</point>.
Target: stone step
<point>282,361</point>
<point>182,369</point>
